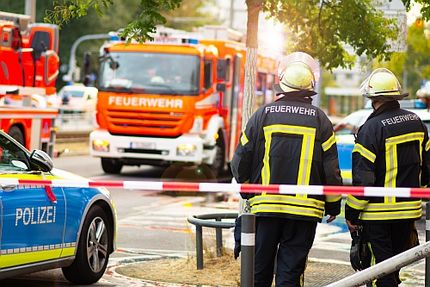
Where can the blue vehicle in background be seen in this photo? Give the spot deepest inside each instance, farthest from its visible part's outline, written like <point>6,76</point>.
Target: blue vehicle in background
<point>50,227</point>
<point>348,127</point>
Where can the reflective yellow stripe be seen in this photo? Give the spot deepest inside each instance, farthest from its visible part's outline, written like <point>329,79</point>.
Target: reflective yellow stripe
<point>405,138</point>
<point>296,210</point>
<point>403,214</point>
<point>346,174</point>
<point>395,206</point>
<point>428,145</point>
<point>244,139</point>
<point>333,198</point>
<point>329,143</point>
<point>70,251</point>
<point>355,202</point>
<point>286,199</point>
<point>10,260</point>
<point>306,154</point>
<point>364,152</point>
<point>391,161</point>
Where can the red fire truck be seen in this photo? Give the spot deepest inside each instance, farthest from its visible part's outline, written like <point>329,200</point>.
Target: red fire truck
<point>172,100</point>
<point>29,67</point>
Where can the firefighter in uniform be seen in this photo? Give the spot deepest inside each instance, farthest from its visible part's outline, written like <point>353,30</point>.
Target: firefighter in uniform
<point>391,150</point>
<point>289,141</point>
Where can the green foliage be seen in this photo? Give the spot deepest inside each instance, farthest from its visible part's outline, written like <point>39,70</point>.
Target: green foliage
<point>321,28</point>
<point>425,9</point>
<point>65,10</point>
<point>138,29</point>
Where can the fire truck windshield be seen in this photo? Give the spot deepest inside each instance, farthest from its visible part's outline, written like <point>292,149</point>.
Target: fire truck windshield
<point>150,73</point>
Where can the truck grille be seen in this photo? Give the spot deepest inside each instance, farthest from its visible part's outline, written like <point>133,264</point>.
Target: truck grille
<point>154,123</point>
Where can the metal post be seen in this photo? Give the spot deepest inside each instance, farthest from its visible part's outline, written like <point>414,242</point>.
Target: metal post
<point>385,267</point>
<point>247,245</point>
<point>30,9</point>
<point>218,234</point>
<point>427,279</point>
<point>199,246</point>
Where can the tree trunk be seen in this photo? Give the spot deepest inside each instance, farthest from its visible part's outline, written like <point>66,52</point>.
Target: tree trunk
<point>254,7</point>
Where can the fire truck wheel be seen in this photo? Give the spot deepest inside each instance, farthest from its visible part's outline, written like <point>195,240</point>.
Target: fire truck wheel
<point>111,165</point>
<point>17,134</point>
<point>92,254</point>
<point>218,166</point>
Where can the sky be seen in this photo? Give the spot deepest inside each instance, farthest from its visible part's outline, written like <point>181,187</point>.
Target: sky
<point>413,13</point>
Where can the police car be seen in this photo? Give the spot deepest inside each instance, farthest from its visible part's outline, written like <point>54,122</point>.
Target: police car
<point>43,227</point>
<point>348,127</point>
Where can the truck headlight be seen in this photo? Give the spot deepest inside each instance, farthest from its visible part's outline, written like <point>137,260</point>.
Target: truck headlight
<point>101,145</point>
<point>186,149</point>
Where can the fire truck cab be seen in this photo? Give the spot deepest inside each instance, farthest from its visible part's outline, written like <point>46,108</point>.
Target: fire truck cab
<point>176,99</point>
<point>29,66</point>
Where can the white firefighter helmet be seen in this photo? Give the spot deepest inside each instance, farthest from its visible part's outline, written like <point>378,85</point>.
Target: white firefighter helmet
<point>382,84</point>
<point>298,71</point>
<point>424,91</point>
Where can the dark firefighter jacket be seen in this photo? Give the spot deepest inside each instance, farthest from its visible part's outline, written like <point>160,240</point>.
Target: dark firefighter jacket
<point>289,141</point>
<point>391,150</point>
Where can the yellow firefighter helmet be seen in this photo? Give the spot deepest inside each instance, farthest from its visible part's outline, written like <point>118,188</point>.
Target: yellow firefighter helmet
<point>382,83</point>
<point>298,71</point>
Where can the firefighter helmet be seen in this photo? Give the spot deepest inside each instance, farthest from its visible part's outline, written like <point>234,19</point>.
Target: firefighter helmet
<point>382,84</point>
<point>298,71</point>
<point>424,91</point>
<point>359,254</point>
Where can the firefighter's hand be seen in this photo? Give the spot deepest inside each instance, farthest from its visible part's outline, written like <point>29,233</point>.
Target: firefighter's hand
<point>352,227</point>
<point>331,218</point>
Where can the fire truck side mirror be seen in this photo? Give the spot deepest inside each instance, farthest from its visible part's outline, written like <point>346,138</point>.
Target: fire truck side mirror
<point>40,160</point>
<point>40,43</point>
<point>220,87</point>
<point>221,69</point>
<point>113,64</point>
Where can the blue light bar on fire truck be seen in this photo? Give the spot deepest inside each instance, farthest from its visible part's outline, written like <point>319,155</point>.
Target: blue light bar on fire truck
<point>114,36</point>
<point>174,40</point>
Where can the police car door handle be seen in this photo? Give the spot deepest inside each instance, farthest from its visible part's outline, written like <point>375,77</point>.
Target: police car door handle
<point>8,187</point>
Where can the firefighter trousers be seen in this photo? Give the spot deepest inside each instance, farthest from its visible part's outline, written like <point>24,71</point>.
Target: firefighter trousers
<point>287,240</point>
<point>388,239</point>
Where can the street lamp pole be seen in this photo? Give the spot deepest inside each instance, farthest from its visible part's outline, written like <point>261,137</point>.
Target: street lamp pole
<point>72,61</point>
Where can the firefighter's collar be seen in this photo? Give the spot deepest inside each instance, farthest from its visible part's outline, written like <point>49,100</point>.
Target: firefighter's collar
<point>386,106</point>
<point>303,96</point>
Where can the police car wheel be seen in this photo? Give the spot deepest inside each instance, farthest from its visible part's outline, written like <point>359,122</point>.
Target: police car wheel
<point>93,249</point>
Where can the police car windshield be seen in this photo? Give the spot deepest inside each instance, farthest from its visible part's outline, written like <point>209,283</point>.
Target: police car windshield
<point>150,73</point>
<point>12,158</point>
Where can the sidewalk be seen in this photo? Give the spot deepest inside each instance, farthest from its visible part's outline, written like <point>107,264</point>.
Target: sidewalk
<point>319,273</point>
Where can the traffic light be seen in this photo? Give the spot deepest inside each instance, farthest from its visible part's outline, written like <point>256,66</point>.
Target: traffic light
<point>419,23</point>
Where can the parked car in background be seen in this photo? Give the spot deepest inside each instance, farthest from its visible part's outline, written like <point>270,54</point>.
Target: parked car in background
<point>78,98</point>
<point>347,128</point>
<point>45,227</point>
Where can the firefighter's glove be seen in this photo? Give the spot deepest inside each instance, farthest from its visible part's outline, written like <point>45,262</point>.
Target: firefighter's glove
<point>237,231</point>
<point>359,255</point>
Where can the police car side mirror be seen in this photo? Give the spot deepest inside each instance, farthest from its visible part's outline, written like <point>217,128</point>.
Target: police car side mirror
<point>40,160</point>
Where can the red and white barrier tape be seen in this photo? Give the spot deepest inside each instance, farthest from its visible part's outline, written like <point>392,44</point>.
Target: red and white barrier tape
<point>229,188</point>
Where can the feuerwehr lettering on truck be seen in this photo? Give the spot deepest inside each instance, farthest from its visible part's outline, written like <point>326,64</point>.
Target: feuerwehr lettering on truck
<point>142,102</point>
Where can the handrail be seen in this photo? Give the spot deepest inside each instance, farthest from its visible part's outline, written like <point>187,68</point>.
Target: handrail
<point>203,220</point>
